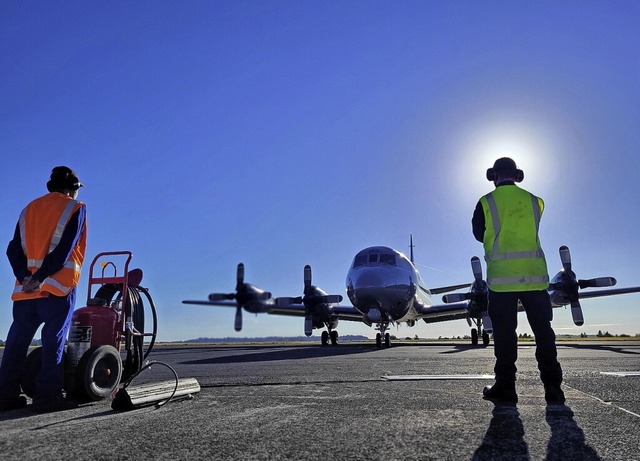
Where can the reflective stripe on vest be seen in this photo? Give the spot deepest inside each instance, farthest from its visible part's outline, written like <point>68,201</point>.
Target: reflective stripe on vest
<point>37,263</point>
<point>517,280</point>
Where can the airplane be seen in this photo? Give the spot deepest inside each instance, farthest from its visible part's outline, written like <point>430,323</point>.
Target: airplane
<point>385,288</point>
<point>246,296</point>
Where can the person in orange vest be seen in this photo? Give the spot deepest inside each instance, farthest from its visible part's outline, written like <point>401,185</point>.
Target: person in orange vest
<point>506,221</point>
<point>46,254</point>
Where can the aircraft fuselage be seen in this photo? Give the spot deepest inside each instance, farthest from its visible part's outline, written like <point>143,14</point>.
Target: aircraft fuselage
<point>385,286</point>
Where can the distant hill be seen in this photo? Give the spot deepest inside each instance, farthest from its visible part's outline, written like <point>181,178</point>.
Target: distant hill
<point>271,339</point>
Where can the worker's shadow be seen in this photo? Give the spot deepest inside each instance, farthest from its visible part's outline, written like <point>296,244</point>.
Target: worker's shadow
<point>504,438</point>
<point>567,438</point>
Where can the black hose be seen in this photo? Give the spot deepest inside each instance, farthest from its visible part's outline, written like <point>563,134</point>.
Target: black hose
<point>154,314</point>
<point>148,365</point>
<point>133,307</point>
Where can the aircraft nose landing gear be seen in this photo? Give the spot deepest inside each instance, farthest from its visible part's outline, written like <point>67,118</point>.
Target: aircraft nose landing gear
<point>383,326</point>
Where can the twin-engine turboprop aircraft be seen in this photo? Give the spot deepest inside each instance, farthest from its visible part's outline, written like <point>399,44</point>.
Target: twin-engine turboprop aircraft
<point>385,288</point>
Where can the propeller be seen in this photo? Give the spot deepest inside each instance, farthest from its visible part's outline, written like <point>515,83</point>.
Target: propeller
<point>312,297</point>
<point>572,284</point>
<point>480,290</point>
<point>245,293</point>
<point>567,285</point>
<point>477,296</point>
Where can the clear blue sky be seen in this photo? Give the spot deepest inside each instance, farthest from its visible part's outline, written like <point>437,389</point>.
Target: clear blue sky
<point>285,133</point>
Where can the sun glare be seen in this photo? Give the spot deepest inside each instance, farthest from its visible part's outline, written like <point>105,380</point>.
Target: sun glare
<point>530,148</point>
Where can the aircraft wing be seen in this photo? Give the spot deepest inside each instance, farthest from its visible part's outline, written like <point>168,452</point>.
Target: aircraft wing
<point>298,310</point>
<point>440,290</point>
<point>611,292</point>
<point>211,303</point>
<point>444,312</point>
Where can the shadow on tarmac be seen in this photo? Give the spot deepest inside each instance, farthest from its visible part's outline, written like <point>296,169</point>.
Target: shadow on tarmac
<point>504,438</point>
<point>463,348</point>
<point>598,347</point>
<point>285,354</point>
<point>567,438</point>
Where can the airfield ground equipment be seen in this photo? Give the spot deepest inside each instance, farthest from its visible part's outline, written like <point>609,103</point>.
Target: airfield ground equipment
<point>114,316</point>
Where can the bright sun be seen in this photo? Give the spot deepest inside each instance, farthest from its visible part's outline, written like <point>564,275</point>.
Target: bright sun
<point>530,147</point>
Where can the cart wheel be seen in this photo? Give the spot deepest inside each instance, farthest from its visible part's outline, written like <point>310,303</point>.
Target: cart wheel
<point>30,372</point>
<point>99,372</point>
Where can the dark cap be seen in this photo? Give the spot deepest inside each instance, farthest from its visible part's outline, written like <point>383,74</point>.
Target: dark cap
<point>505,165</point>
<point>63,178</point>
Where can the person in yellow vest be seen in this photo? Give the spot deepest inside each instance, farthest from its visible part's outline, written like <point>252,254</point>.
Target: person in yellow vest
<point>507,221</point>
<point>46,254</point>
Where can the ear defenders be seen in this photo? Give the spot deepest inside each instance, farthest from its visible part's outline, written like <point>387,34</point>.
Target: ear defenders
<point>505,164</point>
<point>492,175</point>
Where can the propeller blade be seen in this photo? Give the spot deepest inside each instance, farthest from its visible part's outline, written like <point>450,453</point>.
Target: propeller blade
<point>576,313</point>
<point>307,275</point>
<point>239,275</point>
<point>221,296</point>
<point>598,282</point>
<point>308,325</point>
<point>476,267</point>
<point>284,302</point>
<point>238,322</point>
<point>486,321</point>
<point>565,258</point>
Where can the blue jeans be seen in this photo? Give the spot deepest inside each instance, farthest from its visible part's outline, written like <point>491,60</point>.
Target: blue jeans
<point>503,310</point>
<point>55,313</point>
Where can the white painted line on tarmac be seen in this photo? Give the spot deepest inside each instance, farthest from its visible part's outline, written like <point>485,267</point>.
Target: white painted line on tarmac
<point>624,374</point>
<point>611,404</point>
<point>434,377</point>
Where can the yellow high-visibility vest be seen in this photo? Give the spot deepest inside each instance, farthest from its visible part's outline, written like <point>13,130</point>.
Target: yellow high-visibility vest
<point>42,223</point>
<point>515,260</point>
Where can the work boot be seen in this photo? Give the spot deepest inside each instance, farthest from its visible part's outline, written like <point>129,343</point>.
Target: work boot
<point>500,394</point>
<point>13,404</point>
<point>553,394</point>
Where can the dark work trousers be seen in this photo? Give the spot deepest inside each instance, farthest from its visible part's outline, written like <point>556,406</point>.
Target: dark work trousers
<point>55,313</point>
<point>503,310</point>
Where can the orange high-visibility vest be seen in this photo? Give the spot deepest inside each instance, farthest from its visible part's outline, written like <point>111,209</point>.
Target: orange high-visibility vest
<point>42,223</point>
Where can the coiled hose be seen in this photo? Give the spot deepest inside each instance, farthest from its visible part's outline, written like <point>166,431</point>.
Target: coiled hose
<point>134,309</point>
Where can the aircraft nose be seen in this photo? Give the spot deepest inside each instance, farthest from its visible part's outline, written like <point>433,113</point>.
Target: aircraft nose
<point>366,278</point>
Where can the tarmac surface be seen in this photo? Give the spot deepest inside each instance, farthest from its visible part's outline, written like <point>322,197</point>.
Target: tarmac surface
<point>307,402</point>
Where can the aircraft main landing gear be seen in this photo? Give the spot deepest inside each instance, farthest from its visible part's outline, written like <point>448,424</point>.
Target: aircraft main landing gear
<point>475,337</point>
<point>326,336</point>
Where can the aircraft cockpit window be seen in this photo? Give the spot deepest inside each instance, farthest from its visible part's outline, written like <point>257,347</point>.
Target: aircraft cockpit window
<point>372,258</point>
<point>388,259</point>
<point>360,260</point>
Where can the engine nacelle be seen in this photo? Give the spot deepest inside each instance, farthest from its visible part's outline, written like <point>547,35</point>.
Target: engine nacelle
<point>373,316</point>
<point>559,298</point>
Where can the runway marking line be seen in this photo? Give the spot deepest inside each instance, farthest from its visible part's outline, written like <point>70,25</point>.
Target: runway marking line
<point>611,404</point>
<point>623,374</point>
<point>434,377</point>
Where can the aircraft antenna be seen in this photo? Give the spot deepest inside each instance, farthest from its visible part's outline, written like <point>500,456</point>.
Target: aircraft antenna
<point>411,246</point>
